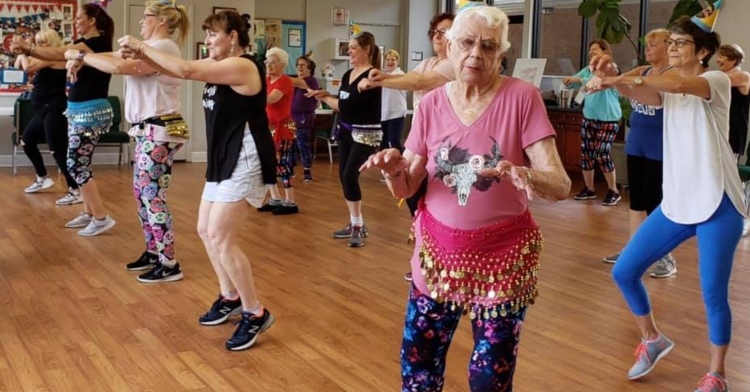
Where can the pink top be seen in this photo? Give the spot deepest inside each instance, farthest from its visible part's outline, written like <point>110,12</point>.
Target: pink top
<point>456,196</point>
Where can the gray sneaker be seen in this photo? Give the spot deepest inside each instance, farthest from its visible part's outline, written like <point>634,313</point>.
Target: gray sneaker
<point>648,355</point>
<point>358,237</point>
<point>73,197</point>
<point>611,259</point>
<point>664,268</point>
<point>82,220</point>
<point>39,184</point>
<point>713,382</point>
<point>97,227</point>
<point>346,232</point>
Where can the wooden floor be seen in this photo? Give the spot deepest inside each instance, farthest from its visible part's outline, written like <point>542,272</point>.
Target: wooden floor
<point>74,320</point>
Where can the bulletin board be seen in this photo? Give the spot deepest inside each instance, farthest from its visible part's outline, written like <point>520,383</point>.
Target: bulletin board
<point>25,18</point>
<point>284,34</point>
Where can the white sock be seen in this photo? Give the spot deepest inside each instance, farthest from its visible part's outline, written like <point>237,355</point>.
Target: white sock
<point>357,220</point>
<point>41,179</point>
<point>100,222</point>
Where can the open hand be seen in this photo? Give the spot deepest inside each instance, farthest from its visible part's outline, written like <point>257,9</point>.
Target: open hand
<point>519,176</point>
<point>389,160</point>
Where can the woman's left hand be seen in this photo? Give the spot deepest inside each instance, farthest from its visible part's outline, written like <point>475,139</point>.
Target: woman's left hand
<point>519,176</point>
<point>73,66</point>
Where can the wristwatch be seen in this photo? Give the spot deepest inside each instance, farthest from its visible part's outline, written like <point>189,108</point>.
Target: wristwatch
<point>638,81</point>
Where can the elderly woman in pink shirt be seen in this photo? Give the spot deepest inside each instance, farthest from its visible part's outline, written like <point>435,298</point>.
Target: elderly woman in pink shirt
<point>485,145</point>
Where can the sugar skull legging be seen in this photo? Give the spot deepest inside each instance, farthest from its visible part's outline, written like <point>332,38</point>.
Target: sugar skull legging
<point>428,332</point>
<point>151,177</point>
<point>80,152</point>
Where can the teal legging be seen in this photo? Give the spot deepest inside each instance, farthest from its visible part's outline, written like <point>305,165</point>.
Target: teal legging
<point>717,240</point>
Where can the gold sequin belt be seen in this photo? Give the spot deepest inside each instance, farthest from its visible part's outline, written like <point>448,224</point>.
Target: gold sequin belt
<point>173,123</point>
<point>491,270</point>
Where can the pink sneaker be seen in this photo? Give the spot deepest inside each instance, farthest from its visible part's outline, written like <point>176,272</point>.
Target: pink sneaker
<point>713,382</point>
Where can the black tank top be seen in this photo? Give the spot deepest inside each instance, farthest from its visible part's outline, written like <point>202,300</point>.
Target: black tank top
<point>227,114</point>
<point>738,121</point>
<point>49,88</point>
<point>359,107</point>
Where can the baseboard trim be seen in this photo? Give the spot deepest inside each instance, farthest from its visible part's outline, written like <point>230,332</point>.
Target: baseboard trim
<point>109,158</point>
<point>200,156</point>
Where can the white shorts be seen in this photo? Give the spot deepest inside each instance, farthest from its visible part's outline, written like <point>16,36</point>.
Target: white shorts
<point>246,181</point>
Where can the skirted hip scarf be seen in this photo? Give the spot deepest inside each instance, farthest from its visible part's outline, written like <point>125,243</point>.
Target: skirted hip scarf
<point>89,118</point>
<point>490,270</point>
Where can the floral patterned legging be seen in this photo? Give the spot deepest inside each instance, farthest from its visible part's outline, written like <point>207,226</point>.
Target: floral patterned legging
<point>152,175</point>
<point>428,332</point>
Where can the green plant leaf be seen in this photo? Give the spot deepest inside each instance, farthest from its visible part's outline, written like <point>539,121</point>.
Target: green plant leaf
<point>685,8</point>
<point>588,8</point>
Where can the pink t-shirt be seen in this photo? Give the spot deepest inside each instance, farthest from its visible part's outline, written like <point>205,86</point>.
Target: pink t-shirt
<point>456,196</point>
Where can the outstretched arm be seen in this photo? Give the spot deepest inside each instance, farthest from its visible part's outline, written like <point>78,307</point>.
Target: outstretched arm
<point>114,63</point>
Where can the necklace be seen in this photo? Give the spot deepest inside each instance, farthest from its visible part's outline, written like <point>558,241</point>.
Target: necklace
<point>471,112</point>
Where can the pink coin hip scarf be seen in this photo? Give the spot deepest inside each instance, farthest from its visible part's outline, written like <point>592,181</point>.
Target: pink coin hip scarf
<point>491,270</point>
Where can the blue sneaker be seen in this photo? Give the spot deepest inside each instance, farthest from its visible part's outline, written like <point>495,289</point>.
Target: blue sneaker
<point>248,329</point>
<point>648,355</point>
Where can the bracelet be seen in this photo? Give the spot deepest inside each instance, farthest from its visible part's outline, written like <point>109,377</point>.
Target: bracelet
<point>529,178</point>
<point>81,55</point>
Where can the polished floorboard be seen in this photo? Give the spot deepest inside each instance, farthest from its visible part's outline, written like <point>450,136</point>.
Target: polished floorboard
<point>72,318</point>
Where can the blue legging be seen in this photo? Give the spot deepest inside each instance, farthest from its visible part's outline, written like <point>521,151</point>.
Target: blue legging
<point>717,240</point>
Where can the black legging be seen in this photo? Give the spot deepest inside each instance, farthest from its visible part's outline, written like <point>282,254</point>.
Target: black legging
<point>352,155</point>
<point>50,126</point>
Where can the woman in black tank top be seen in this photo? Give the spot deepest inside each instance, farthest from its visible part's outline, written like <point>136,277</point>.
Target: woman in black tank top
<point>241,161</point>
<point>359,129</point>
<point>48,125</point>
<point>729,58</point>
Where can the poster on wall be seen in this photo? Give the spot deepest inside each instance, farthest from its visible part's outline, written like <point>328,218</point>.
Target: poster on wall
<point>26,18</point>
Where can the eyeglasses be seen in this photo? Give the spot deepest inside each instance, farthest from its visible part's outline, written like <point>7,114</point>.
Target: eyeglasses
<point>679,43</point>
<point>488,47</point>
<point>147,16</point>
<point>434,32</point>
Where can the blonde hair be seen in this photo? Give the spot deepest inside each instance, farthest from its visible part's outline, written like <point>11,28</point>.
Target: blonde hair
<point>393,53</point>
<point>51,36</point>
<point>176,15</point>
<point>279,53</point>
<point>493,17</point>
<point>658,34</point>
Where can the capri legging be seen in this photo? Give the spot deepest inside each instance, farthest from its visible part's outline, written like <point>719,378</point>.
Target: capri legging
<point>81,151</point>
<point>352,155</point>
<point>717,241</point>
<point>596,144</point>
<point>284,159</point>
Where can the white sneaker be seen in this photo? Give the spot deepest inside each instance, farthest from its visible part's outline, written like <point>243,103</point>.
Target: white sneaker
<point>97,227</point>
<point>73,197</point>
<point>39,185</point>
<point>82,220</point>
